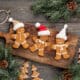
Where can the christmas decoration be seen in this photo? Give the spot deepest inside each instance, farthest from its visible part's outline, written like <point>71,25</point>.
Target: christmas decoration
<point>72,5</point>
<point>73,72</point>
<point>8,65</point>
<point>35,74</point>
<point>56,10</point>
<point>3,64</point>
<point>60,46</point>
<point>20,36</point>
<point>24,71</point>
<point>67,75</point>
<point>43,31</point>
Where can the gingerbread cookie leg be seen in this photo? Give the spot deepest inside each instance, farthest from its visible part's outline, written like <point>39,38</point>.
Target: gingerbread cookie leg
<point>41,52</point>
<point>25,44</point>
<point>33,48</point>
<point>22,76</point>
<point>66,55</point>
<point>16,44</point>
<point>58,56</point>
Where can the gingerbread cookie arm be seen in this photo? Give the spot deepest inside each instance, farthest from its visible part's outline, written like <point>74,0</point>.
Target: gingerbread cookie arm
<point>46,44</point>
<point>11,30</point>
<point>27,34</point>
<point>54,46</point>
<point>67,44</point>
<point>13,36</point>
<point>34,38</point>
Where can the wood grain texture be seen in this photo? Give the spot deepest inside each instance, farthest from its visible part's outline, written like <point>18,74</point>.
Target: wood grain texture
<point>20,10</point>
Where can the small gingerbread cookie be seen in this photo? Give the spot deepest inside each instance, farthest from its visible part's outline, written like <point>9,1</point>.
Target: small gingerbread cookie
<point>3,64</point>
<point>61,46</point>
<point>20,36</point>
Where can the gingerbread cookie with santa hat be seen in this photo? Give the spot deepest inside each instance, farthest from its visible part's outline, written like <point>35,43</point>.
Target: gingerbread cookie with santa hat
<point>20,36</point>
<point>41,42</point>
<point>61,45</point>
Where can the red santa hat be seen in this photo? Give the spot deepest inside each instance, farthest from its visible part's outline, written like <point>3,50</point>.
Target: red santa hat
<point>42,29</point>
<point>17,24</point>
<point>62,33</point>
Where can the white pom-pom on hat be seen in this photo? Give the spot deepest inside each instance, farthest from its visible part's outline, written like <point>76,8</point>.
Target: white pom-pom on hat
<point>37,24</point>
<point>65,26</point>
<point>10,19</point>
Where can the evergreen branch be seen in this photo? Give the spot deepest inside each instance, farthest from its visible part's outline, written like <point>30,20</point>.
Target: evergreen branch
<point>55,10</point>
<point>11,72</point>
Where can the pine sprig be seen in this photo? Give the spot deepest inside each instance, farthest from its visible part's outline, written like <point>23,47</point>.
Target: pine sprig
<point>55,10</point>
<point>75,70</point>
<point>11,72</point>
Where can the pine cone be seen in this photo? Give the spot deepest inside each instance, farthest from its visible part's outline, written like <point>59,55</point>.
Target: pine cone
<point>67,75</point>
<point>3,64</point>
<point>72,5</point>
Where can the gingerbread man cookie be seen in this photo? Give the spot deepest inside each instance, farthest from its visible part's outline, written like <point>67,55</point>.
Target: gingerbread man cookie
<point>42,42</point>
<point>20,36</point>
<point>61,46</point>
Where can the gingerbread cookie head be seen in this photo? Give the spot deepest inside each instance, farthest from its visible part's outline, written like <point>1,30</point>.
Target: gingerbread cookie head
<point>60,41</point>
<point>61,37</point>
<point>20,30</point>
<point>43,32</point>
<point>18,26</point>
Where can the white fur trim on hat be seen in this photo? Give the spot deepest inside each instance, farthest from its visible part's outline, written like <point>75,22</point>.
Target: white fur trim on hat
<point>43,33</point>
<point>62,37</point>
<point>10,19</point>
<point>62,33</point>
<point>18,25</point>
<point>37,24</point>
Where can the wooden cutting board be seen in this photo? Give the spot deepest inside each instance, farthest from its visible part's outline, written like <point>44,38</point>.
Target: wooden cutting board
<point>49,54</point>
